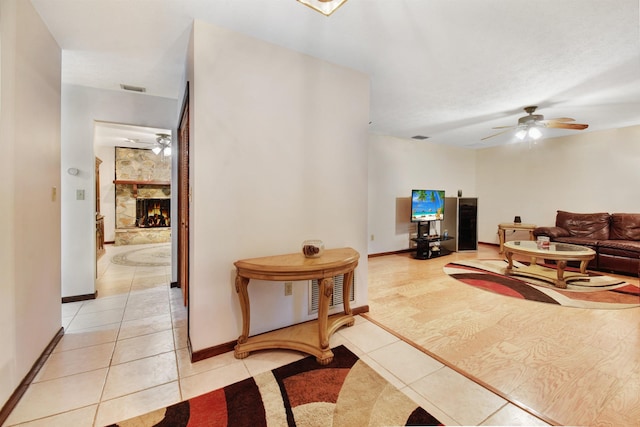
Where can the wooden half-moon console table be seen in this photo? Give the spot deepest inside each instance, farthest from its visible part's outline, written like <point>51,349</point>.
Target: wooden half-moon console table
<point>515,226</point>
<point>310,337</point>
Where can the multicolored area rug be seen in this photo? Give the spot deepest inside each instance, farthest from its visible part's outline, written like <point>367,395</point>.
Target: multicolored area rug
<point>599,291</point>
<point>345,392</point>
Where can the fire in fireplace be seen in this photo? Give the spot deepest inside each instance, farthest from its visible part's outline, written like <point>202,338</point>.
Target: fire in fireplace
<point>153,213</point>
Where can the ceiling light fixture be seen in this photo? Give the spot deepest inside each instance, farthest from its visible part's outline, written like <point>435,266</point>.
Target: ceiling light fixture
<point>164,145</point>
<point>531,131</point>
<point>326,7</point>
<point>534,133</point>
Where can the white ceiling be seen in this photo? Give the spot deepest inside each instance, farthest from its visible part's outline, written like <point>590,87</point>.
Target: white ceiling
<point>122,135</point>
<point>447,69</point>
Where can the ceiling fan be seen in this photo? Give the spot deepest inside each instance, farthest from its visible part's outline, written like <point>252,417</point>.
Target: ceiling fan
<point>162,144</point>
<point>530,125</point>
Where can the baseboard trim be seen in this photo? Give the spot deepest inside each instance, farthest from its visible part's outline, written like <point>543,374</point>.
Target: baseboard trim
<point>206,353</point>
<point>28,379</point>
<point>401,251</point>
<point>219,349</point>
<point>359,310</point>
<point>76,298</point>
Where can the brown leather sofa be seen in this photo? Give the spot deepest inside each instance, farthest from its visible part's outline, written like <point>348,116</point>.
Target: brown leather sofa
<point>614,237</point>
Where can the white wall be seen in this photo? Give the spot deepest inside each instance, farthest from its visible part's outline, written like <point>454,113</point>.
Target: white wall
<point>278,155</point>
<point>29,172</point>
<point>81,107</point>
<point>396,166</point>
<point>588,172</point>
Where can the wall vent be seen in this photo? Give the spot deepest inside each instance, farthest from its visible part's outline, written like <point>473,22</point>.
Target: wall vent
<point>133,88</point>
<point>336,299</point>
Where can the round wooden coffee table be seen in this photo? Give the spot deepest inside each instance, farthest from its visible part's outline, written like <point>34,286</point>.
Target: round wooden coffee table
<point>559,252</point>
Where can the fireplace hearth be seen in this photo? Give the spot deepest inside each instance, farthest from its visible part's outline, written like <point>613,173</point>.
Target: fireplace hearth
<point>151,213</point>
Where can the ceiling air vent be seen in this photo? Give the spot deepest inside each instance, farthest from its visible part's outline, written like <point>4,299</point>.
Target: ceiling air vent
<point>133,88</point>
<point>419,137</point>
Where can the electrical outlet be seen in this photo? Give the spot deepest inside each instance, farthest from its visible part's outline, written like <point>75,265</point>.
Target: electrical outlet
<point>372,237</point>
<point>288,288</point>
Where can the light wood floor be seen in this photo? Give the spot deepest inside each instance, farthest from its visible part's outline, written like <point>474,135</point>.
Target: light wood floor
<point>570,366</point>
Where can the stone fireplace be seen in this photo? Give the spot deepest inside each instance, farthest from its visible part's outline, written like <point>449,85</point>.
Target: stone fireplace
<point>143,197</point>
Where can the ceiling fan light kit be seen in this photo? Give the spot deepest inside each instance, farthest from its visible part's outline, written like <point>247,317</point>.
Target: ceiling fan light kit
<point>164,145</point>
<point>532,132</point>
<point>326,7</point>
<point>161,146</point>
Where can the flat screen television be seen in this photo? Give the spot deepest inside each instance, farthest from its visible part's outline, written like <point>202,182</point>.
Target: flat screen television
<point>427,205</point>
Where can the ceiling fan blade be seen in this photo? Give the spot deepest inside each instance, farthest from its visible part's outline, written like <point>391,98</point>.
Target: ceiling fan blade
<point>560,119</point>
<point>496,134</point>
<point>504,127</point>
<point>574,126</point>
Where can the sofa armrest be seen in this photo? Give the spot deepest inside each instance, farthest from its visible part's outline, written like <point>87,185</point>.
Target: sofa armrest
<point>551,232</point>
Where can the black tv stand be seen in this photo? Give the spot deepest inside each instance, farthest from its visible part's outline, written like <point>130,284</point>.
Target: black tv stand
<point>428,246</point>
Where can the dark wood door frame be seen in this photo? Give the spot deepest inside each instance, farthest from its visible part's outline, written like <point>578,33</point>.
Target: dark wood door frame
<point>183,198</point>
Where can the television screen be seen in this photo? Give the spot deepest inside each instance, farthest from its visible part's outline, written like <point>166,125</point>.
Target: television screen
<point>427,205</point>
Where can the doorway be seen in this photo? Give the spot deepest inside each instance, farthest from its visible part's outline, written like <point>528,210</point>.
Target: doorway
<point>144,172</point>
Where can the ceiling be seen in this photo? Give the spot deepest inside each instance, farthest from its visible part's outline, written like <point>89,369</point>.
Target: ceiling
<point>447,69</point>
<point>122,135</point>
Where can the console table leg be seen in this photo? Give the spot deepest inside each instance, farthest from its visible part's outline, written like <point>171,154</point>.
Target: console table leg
<point>325,361</point>
<point>346,293</point>
<point>325,290</point>
<point>243,296</point>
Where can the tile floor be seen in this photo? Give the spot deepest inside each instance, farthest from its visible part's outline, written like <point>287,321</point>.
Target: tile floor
<point>125,353</point>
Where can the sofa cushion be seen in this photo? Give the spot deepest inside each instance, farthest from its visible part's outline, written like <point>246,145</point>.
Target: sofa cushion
<point>581,241</point>
<point>593,226</point>
<point>624,248</point>
<point>625,226</point>
<point>551,232</point>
